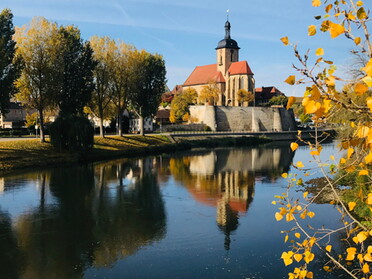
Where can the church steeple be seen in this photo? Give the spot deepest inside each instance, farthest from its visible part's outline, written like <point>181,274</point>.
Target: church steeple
<point>227,30</point>
<point>227,50</point>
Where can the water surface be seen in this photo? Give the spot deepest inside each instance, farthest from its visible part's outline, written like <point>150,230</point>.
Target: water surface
<point>197,214</point>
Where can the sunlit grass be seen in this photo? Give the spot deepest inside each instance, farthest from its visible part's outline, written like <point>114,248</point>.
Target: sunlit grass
<point>33,153</point>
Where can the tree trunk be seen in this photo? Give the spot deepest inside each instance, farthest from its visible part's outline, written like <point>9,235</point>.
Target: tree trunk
<point>120,127</point>
<point>101,133</point>
<point>42,135</point>
<point>142,132</point>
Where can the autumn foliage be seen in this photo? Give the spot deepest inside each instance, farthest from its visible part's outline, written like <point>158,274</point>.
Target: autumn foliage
<point>330,95</point>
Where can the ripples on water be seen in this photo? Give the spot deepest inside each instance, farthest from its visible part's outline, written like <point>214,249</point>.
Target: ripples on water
<point>198,214</point>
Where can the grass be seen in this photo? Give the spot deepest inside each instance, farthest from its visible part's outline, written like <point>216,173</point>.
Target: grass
<point>21,154</point>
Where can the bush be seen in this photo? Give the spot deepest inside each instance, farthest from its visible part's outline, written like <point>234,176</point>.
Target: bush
<point>72,133</point>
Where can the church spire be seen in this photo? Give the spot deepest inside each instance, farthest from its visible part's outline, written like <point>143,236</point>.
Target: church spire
<point>227,29</point>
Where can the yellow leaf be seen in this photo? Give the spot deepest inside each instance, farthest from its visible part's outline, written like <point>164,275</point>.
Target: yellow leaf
<point>365,268</point>
<point>284,175</point>
<point>319,52</point>
<point>351,251</point>
<point>368,258</point>
<point>278,216</point>
<point>369,103</point>
<point>294,146</point>
<point>285,40</point>
<point>289,217</point>
<point>299,164</point>
<point>363,172</point>
<point>308,256</point>
<point>368,68</point>
<point>362,236</point>
<point>298,235</point>
<point>328,8</point>
<point>316,3</point>
<point>351,205</point>
<point>369,249</point>
<point>368,158</point>
<point>357,40</point>
<point>342,161</point>
<point>291,101</point>
<point>350,152</point>
<point>286,238</point>
<point>273,202</point>
<point>336,30</point>
<point>360,89</point>
<point>298,257</point>
<point>311,214</point>
<point>326,268</point>
<point>287,257</point>
<point>361,13</point>
<point>291,80</point>
<point>328,248</point>
<point>305,194</point>
<point>310,275</point>
<point>369,199</point>
<point>368,81</point>
<point>359,3</point>
<point>311,30</point>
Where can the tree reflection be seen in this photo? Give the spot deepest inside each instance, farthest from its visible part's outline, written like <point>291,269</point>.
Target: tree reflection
<point>225,179</point>
<point>102,214</point>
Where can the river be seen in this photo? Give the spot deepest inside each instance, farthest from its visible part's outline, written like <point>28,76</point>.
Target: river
<point>196,214</point>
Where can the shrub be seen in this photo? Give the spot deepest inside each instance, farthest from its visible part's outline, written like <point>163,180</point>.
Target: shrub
<point>72,133</point>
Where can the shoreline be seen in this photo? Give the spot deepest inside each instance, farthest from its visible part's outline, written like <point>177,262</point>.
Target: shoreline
<point>19,155</point>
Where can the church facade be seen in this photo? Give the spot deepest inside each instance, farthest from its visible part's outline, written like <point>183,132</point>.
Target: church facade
<point>228,74</point>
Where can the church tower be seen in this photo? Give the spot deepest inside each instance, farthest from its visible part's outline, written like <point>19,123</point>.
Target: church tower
<point>227,51</point>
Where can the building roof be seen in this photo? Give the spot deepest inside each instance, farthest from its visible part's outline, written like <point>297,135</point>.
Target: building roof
<point>240,67</point>
<point>204,74</point>
<point>268,90</point>
<point>227,42</point>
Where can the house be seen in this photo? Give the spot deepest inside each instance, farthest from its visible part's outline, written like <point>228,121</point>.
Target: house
<point>15,118</point>
<point>264,94</point>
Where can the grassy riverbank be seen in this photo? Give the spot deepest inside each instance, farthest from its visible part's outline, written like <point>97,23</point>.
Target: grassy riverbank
<point>27,153</point>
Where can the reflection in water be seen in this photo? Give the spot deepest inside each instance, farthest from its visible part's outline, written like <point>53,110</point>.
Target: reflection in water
<point>85,216</point>
<point>67,220</point>
<point>225,178</point>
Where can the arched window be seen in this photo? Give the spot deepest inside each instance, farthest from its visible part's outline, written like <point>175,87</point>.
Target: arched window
<point>221,60</point>
<point>232,55</point>
<point>241,83</point>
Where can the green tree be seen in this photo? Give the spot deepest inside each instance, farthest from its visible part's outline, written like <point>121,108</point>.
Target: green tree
<point>9,69</point>
<point>78,66</point>
<point>147,84</point>
<point>39,45</point>
<point>280,100</point>
<point>244,96</point>
<point>209,93</point>
<point>180,104</point>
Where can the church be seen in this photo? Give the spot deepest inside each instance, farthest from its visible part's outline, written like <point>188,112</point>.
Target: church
<point>228,74</point>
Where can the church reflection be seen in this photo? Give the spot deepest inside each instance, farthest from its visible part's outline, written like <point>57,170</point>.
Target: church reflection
<point>225,179</point>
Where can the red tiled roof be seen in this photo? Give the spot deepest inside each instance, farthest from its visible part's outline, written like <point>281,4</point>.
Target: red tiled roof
<point>241,67</point>
<point>269,89</point>
<point>204,74</point>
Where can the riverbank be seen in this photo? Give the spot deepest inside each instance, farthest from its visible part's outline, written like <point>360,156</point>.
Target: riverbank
<point>21,154</point>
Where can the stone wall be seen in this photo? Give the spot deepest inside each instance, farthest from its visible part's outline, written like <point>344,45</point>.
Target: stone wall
<point>256,119</point>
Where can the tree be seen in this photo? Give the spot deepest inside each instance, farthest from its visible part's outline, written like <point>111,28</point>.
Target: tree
<point>180,105</point>
<point>147,84</point>
<point>39,47</point>
<point>77,77</point>
<point>209,93</point>
<point>9,69</point>
<point>244,96</point>
<point>100,104</point>
<point>280,100</point>
<point>326,103</point>
<point>120,79</point>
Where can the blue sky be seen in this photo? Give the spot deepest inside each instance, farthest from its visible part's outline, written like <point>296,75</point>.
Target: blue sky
<point>186,32</point>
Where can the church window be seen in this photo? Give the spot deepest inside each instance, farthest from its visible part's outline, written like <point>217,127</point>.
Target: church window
<point>232,55</point>
<point>221,60</point>
<point>242,82</point>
